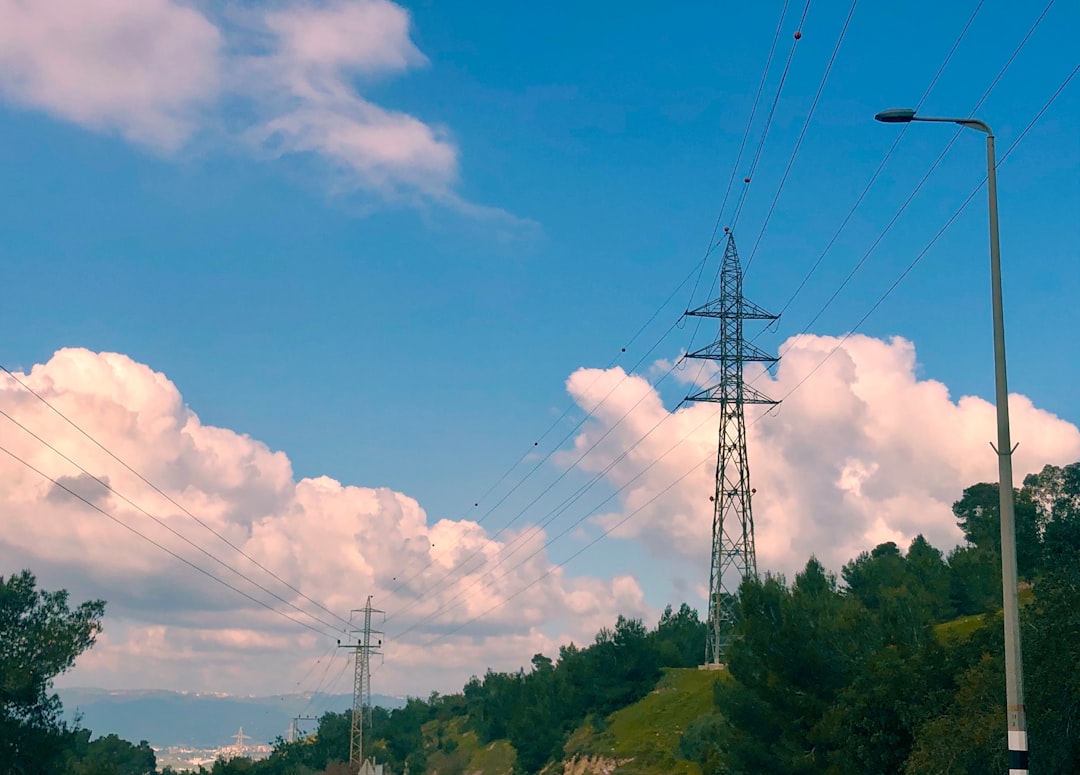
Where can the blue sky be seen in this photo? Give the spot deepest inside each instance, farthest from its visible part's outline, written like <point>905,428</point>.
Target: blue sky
<point>422,341</point>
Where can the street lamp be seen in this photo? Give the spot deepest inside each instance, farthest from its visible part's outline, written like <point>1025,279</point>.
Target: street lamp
<point>1014,675</point>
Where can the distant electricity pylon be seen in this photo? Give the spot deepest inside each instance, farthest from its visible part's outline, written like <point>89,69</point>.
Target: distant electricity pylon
<point>733,556</point>
<point>368,642</point>
<point>294,726</point>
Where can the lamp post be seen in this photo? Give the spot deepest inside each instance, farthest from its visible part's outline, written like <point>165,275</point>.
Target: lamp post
<point>1014,676</point>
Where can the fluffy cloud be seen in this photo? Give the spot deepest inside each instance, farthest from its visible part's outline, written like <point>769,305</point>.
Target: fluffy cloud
<point>863,452</point>
<point>170,625</point>
<point>143,68</point>
<point>284,76</point>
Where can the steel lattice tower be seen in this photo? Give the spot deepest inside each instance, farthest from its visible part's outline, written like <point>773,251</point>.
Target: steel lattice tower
<point>733,556</point>
<point>364,648</point>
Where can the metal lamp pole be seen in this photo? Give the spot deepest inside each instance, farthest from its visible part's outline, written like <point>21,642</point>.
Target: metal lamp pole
<point>1014,675</point>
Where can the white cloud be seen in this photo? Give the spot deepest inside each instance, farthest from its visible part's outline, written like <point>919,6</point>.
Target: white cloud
<point>368,36</point>
<point>286,78</point>
<point>169,626</point>
<point>304,88</point>
<point>143,68</point>
<point>863,452</point>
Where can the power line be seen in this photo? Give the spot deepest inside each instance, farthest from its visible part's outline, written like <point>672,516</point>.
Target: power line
<point>539,464</point>
<point>797,386</point>
<point>772,111</point>
<point>864,258</point>
<point>491,539</point>
<point>757,156</point>
<point>881,165</point>
<point>713,243</point>
<point>522,539</point>
<point>566,411</point>
<point>165,549</point>
<point>315,664</point>
<point>700,268</point>
<point>888,227</point>
<point>322,681</point>
<point>742,146</point>
<point>933,167</point>
<point>164,524</point>
<point>802,134</point>
<point>919,256</point>
<point>165,495</point>
<point>570,406</point>
<point>584,548</point>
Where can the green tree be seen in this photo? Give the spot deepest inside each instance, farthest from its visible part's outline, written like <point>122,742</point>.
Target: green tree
<point>968,737</point>
<point>974,580</point>
<point>402,733</point>
<point>680,637</point>
<point>978,514</point>
<point>536,728</point>
<point>929,580</point>
<point>872,724</point>
<point>329,744</point>
<point>109,755</point>
<point>1056,494</point>
<point>701,743</point>
<point>905,593</point>
<point>789,656</point>
<point>1051,649</point>
<point>40,637</point>
<point>240,765</point>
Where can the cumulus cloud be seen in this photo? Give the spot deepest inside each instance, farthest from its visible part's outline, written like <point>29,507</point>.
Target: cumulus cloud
<point>284,76</point>
<point>864,451</point>
<point>169,625</point>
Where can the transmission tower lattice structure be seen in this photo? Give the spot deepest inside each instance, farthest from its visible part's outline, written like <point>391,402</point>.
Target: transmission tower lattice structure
<point>368,642</point>
<point>733,556</point>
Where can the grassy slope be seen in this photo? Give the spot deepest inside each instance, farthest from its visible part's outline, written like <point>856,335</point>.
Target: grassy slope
<point>958,629</point>
<point>644,736</point>
<point>450,749</point>
<point>647,732</point>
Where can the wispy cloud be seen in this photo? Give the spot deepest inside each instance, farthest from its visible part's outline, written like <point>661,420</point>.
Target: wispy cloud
<point>286,78</point>
<point>303,89</point>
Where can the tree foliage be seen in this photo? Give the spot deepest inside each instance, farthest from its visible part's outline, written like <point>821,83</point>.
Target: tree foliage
<point>108,755</point>
<point>40,637</point>
<point>874,677</point>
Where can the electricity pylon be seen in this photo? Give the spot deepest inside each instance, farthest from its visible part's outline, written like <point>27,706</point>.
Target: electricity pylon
<point>733,555</point>
<point>294,726</point>
<point>368,642</point>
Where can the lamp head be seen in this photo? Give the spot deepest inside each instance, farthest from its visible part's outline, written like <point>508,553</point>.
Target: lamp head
<point>895,116</point>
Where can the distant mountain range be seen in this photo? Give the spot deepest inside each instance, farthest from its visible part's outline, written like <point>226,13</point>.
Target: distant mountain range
<point>165,718</point>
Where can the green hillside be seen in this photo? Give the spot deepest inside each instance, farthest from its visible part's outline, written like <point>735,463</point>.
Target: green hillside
<point>644,737</point>
<point>451,749</point>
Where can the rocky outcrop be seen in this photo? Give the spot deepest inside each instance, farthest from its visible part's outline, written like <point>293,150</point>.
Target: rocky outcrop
<point>592,765</point>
